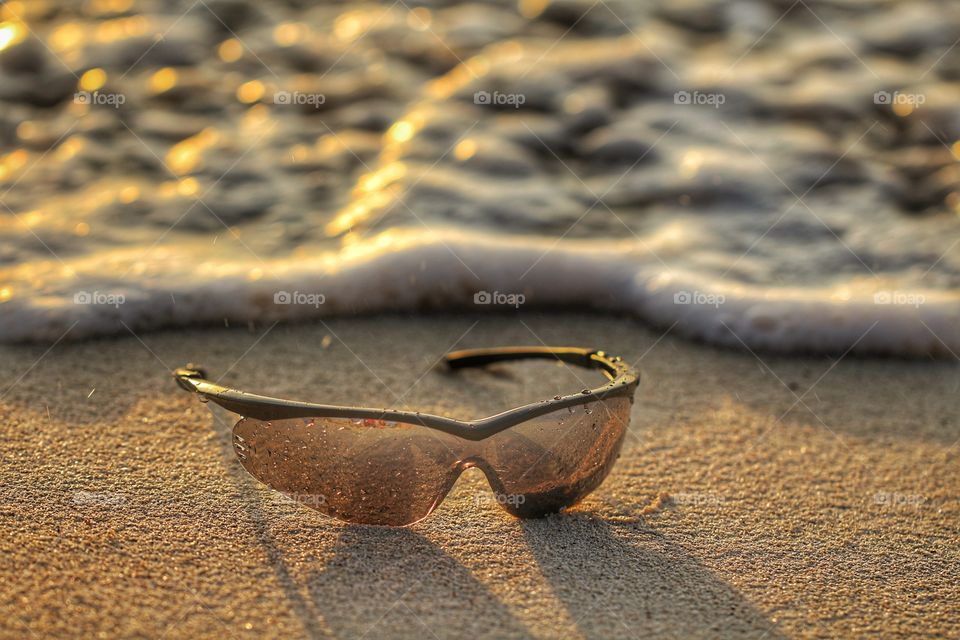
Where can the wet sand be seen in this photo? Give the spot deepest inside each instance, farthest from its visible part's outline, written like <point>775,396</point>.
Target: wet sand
<point>125,513</point>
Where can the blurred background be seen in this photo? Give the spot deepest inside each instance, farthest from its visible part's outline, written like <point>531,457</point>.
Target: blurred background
<point>172,162</point>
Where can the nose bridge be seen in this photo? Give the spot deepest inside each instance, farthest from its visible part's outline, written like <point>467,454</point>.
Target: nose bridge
<point>473,453</point>
<point>478,461</point>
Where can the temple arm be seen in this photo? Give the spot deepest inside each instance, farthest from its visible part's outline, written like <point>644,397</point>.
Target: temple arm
<point>591,358</point>
<point>483,357</point>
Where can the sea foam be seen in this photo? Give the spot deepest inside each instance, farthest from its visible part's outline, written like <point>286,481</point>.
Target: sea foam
<point>416,271</point>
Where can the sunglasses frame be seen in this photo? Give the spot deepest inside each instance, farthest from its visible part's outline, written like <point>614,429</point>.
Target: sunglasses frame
<point>623,382</point>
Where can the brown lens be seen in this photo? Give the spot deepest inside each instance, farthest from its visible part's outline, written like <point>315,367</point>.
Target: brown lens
<point>363,471</point>
<point>553,461</point>
<point>395,473</point>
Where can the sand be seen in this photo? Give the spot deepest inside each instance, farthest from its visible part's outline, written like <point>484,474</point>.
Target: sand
<point>734,511</point>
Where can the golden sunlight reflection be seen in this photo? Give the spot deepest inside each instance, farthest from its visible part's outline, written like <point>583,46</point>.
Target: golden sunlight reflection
<point>188,186</point>
<point>903,109</point>
<point>289,33</point>
<point>691,163</point>
<point>230,50</point>
<point>32,218</point>
<point>357,211</point>
<point>129,194</point>
<point>121,28</point>
<point>163,80</point>
<point>13,162</point>
<point>463,74</point>
<point>401,131</point>
<point>953,201</point>
<point>299,153</point>
<point>12,10</point>
<point>110,6</point>
<point>185,156</point>
<point>93,80</point>
<point>250,91</point>
<point>255,118</point>
<point>349,25</point>
<point>11,33</point>
<point>67,36</point>
<point>377,180</point>
<point>465,149</point>
<point>329,145</point>
<point>70,148</point>
<point>532,8</point>
<point>168,189</point>
<point>387,240</point>
<point>841,294</point>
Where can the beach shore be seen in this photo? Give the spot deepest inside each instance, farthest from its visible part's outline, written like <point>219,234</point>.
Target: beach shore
<point>757,495</point>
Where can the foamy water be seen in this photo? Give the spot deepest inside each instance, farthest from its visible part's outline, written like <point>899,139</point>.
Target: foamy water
<point>748,177</point>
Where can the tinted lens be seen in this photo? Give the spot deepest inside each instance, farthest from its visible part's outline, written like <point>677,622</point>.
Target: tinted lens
<point>364,471</point>
<point>553,461</point>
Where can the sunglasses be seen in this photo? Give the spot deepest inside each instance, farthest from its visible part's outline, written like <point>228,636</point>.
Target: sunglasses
<point>388,467</point>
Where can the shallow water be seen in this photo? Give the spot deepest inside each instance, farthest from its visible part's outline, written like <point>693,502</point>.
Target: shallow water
<point>747,173</point>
